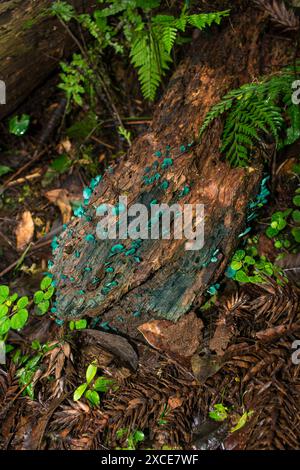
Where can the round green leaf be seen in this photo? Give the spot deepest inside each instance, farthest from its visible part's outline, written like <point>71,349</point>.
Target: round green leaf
<point>236,265</point>
<point>138,436</point>
<point>19,319</point>
<point>45,283</point>
<point>43,307</point>
<point>4,292</point>
<point>241,276</point>
<point>80,324</point>
<point>296,216</point>
<point>296,234</point>
<point>48,294</point>
<point>22,302</point>
<point>4,325</point>
<point>239,255</point>
<point>91,372</point>
<point>249,260</point>
<point>93,397</point>
<point>38,296</point>
<point>296,200</point>
<point>3,310</point>
<point>272,232</point>
<point>79,392</point>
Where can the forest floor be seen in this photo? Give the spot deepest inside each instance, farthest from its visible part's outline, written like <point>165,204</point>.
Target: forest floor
<point>249,386</point>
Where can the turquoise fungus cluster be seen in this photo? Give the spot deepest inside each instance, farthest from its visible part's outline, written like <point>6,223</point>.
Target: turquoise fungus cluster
<point>83,274</point>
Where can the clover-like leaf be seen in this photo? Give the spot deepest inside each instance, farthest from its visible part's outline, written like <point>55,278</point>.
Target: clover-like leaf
<point>49,292</point>
<point>19,319</point>
<point>22,302</point>
<point>4,292</point>
<point>43,307</point>
<point>38,296</point>
<point>45,283</point>
<point>4,325</point>
<point>3,310</point>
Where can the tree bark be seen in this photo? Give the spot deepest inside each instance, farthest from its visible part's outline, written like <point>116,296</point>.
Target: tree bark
<point>170,281</point>
<point>32,44</point>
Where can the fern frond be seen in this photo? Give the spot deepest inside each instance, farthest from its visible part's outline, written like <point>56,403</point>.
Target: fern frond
<point>151,59</point>
<point>206,19</point>
<point>254,110</point>
<point>169,34</point>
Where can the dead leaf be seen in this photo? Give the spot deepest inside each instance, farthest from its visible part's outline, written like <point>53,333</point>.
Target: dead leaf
<point>60,198</point>
<point>24,231</point>
<point>115,344</point>
<point>181,339</point>
<point>205,367</point>
<point>220,340</point>
<point>175,402</point>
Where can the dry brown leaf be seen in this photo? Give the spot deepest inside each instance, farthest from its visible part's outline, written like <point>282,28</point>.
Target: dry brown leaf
<point>60,198</point>
<point>24,231</point>
<point>220,340</point>
<point>175,402</point>
<point>180,339</point>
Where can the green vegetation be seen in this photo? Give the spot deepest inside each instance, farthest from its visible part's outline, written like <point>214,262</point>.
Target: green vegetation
<point>132,440</point>
<point>18,125</point>
<point>254,111</point>
<point>131,28</point>
<point>248,266</point>
<point>14,310</point>
<point>93,386</point>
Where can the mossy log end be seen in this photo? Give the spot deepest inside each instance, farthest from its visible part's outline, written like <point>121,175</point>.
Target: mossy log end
<point>32,43</point>
<point>169,281</point>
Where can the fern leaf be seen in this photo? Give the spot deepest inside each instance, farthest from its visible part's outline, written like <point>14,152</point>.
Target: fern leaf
<point>206,19</point>
<point>169,34</point>
<point>150,58</point>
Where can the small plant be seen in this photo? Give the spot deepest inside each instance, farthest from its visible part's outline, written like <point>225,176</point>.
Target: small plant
<point>78,324</point>
<point>76,79</point>
<point>125,134</point>
<point>42,297</point>
<point>242,420</point>
<point>132,440</point>
<point>93,385</point>
<point>129,26</point>
<point>256,110</point>
<point>219,412</point>
<point>284,228</point>
<point>248,266</point>
<point>162,419</point>
<point>28,366</point>
<point>18,125</point>
<point>14,309</point>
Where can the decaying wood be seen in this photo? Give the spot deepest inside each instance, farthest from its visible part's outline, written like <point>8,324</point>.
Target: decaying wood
<point>32,43</point>
<point>168,281</point>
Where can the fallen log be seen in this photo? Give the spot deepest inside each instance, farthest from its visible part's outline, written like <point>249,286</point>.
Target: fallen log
<point>32,43</point>
<point>138,281</point>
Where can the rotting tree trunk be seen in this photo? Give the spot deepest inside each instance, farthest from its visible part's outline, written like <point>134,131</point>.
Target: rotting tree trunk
<point>169,281</point>
<point>31,45</point>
